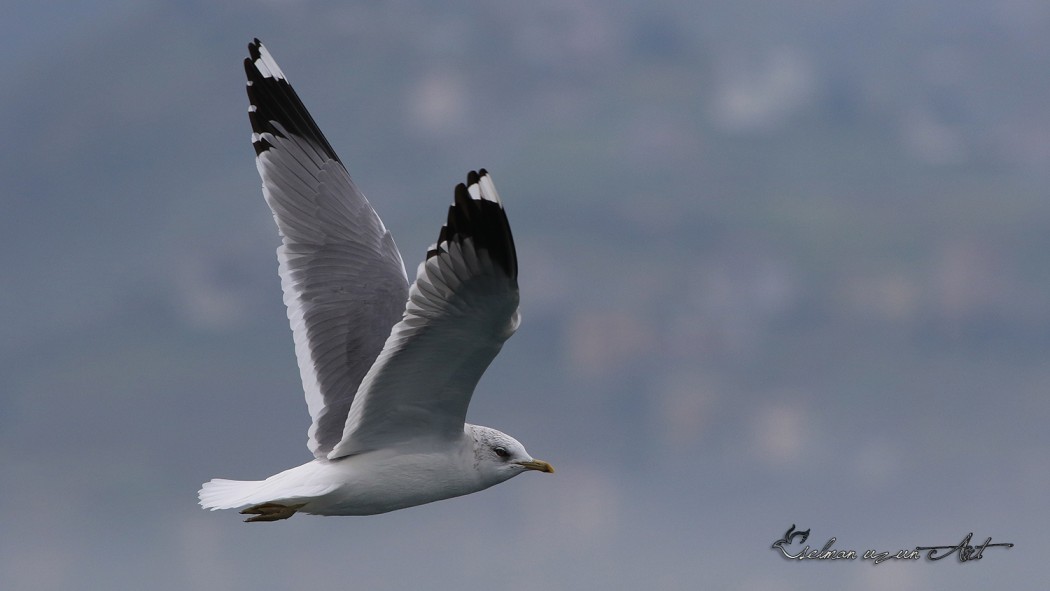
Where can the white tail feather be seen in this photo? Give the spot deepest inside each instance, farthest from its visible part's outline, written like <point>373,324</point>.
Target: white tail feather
<point>220,493</point>
<point>283,488</point>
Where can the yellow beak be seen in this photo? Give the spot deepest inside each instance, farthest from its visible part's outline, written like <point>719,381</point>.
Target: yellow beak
<point>537,465</point>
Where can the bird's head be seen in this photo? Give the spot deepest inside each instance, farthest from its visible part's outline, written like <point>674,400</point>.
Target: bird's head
<point>498,456</point>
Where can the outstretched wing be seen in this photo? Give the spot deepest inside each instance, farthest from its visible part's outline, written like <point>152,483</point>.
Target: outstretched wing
<point>461,308</point>
<point>343,279</point>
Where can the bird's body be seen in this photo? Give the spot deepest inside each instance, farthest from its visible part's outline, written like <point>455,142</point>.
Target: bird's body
<point>388,368</point>
<point>371,482</point>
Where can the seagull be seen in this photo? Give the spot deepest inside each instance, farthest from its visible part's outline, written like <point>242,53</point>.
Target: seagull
<point>388,368</point>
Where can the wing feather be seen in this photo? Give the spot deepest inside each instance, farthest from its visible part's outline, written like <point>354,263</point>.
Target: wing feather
<point>343,279</point>
<point>461,308</point>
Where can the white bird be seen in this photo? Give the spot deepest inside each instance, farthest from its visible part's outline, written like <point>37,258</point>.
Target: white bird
<point>388,369</point>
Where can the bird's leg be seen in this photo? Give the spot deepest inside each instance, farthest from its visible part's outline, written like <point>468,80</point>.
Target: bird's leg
<point>270,511</point>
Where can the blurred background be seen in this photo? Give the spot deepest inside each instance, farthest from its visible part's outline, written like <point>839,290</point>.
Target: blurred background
<point>781,263</point>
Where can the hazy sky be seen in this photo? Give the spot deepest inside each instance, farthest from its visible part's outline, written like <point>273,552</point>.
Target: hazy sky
<point>781,263</point>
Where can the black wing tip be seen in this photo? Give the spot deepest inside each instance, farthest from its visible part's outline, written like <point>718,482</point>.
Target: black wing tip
<point>257,54</point>
<point>275,106</point>
<point>477,215</point>
<point>253,49</point>
<point>254,54</point>
<point>250,71</point>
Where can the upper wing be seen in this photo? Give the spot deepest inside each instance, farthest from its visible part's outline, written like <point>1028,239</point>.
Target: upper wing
<point>462,307</point>
<point>343,279</point>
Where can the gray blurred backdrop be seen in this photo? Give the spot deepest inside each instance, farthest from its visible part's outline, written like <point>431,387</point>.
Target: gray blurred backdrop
<point>781,262</point>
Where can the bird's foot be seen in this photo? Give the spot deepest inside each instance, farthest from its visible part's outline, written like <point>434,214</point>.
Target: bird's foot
<point>270,511</point>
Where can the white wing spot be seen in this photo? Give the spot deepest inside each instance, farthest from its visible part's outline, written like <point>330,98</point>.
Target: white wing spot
<point>267,66</point>
<point>488,189</point>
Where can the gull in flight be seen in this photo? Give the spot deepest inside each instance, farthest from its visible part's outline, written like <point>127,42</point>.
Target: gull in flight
<point>388,368</point>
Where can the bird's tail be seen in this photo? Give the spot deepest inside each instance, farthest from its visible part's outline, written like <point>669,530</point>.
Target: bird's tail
<point>220,493</point>
<point>286,488</point>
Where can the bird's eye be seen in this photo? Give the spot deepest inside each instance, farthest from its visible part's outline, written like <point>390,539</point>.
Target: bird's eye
<point>501,451</point>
